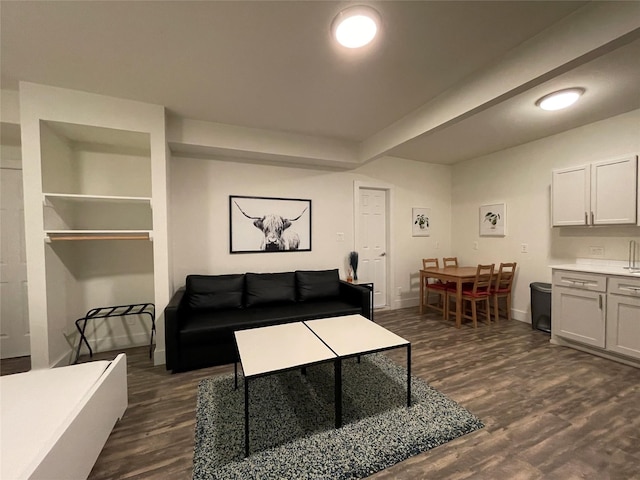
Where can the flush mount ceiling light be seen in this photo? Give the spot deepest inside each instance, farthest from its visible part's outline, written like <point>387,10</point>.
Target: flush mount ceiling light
<point>356,26</point>
<point>560,99</point>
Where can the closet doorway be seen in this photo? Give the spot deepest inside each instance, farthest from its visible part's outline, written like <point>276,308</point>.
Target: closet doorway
<point>14,317</point>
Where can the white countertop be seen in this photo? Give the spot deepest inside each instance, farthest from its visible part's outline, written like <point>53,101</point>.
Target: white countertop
<point>606,267</point>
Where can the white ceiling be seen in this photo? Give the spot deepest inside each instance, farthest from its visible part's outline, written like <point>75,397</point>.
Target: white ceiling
<point>272,65</point>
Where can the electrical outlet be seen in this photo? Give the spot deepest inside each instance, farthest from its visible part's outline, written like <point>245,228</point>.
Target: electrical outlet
<point>475,245</point>
<point>437,245</point>
<point>339,236</point>
<point>524,248</point>
<point>596,251</point>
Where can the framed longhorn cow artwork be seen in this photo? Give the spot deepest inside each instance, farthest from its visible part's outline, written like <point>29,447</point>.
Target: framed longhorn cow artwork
<point>265,224</point>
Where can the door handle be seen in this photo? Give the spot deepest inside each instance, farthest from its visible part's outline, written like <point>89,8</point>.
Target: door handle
<point>600,302</point>
<point>383,254</point>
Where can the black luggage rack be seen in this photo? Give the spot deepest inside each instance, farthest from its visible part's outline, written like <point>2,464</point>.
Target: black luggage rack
<point>115,311</point>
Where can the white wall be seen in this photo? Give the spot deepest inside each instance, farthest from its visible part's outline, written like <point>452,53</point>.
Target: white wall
<point>521,177</point>
<point>200,190</point>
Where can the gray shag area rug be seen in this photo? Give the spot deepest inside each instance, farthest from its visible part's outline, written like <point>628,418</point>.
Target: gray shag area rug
<point>292,432</point>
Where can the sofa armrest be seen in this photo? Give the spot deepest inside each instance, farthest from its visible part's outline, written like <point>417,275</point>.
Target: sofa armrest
<point>358,295</point>
<point>172,314</point>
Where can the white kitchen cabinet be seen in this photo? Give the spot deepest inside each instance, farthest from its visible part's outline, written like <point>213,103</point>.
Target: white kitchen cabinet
<point>623,316</point>
<point>596,309</point>
<point>614,191</point>
<point>570,195</point>
<point>600,193</point>
<point>579,309</point>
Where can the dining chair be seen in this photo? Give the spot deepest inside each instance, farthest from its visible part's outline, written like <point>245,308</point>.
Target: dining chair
<point>434,286</point>
<point>450,262</point>
<point>502,288</point>
<point>478,291</point>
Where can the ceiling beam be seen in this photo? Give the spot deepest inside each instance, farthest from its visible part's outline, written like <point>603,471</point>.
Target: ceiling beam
<point>593,30</point>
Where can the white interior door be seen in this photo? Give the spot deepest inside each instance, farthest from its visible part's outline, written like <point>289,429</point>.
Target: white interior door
<point>372,248</point>
<point>14,318</point>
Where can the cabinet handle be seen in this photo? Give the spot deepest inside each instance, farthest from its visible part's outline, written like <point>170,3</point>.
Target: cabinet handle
<point>586,218</point>
<point>592,222</point>
<point>600,302</point>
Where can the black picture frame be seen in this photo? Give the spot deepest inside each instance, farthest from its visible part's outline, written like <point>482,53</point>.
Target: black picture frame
<point>269,224</point>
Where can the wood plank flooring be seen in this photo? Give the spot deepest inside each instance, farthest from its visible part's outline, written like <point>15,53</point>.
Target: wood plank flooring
<point>550,412</point>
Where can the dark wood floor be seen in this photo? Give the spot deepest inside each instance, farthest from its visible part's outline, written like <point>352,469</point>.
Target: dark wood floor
<point>550,412</point>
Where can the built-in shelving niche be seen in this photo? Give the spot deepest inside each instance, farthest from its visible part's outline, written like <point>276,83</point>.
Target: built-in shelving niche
<point>96,208</point>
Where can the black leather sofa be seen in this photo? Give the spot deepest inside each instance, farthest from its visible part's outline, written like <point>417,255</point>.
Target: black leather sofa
<point>201,317</point>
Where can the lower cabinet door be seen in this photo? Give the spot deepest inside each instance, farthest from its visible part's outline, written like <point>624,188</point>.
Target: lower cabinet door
<point>579,315</point>
<point>623,325</point>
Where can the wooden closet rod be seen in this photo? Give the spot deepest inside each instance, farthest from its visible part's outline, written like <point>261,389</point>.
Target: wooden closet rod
<point>117,236</point>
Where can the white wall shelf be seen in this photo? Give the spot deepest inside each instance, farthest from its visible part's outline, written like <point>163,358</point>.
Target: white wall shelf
<point>50,198</point>
<point>81,212</point>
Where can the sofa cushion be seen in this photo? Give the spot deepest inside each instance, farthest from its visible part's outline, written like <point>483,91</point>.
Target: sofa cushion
<point>205,292</point>
<point>314,284</point>
<point>263,288</point>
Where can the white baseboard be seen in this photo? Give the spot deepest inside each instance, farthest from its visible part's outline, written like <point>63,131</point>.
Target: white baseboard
<point>521,316</point>
<point>556,340</point>
<point>405,302</point>
<point>159,357</point>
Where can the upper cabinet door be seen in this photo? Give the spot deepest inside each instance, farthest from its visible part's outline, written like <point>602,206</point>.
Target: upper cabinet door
<point>614,191</point>
<point>601,193</point>
<point>570,196</point>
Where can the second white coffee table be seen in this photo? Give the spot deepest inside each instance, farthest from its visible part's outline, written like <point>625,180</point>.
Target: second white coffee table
<point>355,335</point>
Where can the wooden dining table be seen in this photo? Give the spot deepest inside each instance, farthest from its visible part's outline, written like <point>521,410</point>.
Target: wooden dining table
<point>459,275</point>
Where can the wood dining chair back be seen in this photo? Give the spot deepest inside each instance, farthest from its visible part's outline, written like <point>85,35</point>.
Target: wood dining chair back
<point>434,286</point>
<point>479,291</point>
<point>502,288</point>
<point>450,262</point>
<point>430,263</point>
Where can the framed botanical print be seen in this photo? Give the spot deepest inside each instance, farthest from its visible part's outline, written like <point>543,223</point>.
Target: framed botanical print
<point>493,220</point>
<point>420,221</point>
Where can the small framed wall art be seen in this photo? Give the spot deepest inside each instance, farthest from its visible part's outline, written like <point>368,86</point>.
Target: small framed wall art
<point>493,220</point>
<point>265,224</point>
<point>420,221</point>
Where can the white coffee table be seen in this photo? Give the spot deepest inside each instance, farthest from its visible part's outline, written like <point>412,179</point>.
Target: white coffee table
<point>267,350</point>
<point>355,335</point>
